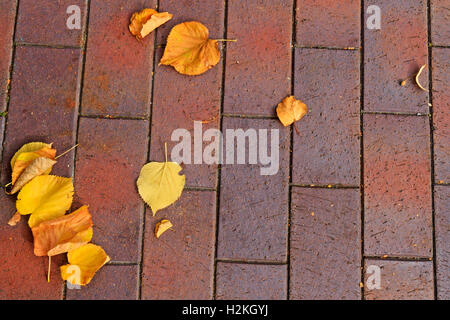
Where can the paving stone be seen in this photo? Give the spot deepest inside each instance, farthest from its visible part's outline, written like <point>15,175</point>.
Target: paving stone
<point>112,282</point>
<point>440,28</point>
<point>442,233</point>
<point>47,21</point>
<point>7,16</point>
<point>327,149</point>
<point>394,53</point>
<point>258,65</point>
<point>251,282</point>
<point>397,190</point>
<point>254,207</point>
<point>328,23</point>
<point>180,264</point>
<point>402,280</point>
<point>187,98</point>
<point>325,244</point>
<point>118,70</point>
<point>107,167</point>
<point>441,109</point>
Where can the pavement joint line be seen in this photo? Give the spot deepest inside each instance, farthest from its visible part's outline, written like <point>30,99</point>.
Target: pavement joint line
<point>194,188</point>
<point>255,262</point>
<point>398,258</point>
<point>230,115</point>
<point>445,184</point>
<point>122,263</point>
<point>417,114</point>
<point>361,143</point>
<point>42,45</point>
<point>440,46</point>
<point>297,46</point>
<point>324,186</point>
<point>99,116</point>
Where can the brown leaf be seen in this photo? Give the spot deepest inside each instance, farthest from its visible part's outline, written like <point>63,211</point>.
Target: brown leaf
<point>144,22</point>
<point>291,110</point>
<point>36,168</point>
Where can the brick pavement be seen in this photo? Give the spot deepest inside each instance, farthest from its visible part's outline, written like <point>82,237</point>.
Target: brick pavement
<point>364,186</point>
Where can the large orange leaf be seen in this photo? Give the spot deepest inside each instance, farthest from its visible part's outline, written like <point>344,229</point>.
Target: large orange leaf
<point>144,22</point>
<point>63,234</point>
<point>189,49</point>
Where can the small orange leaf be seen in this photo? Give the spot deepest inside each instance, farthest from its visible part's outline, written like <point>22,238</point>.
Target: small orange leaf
<point>189,49</point>
<point>144,22</point>
<point>15,219</point>
<point>291,110</point>
<point>63,234</point>
<point>162,227</point>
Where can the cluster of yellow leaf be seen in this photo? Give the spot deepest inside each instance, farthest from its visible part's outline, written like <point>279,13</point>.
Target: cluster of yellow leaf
<point>46,199</point>
<point>189,49</point>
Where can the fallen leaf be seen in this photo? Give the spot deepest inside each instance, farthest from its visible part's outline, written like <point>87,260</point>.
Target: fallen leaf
<point>418,78</point>
<point>147,20</point>
<point>24,159</point>
<point>291,110</point>
<point>189,49</point>
<point>160,184</point>
<point>162,227</point>
<point>63,234</point>
<point>84,262</point>
<point>29,147</point>
<point>15,219</point>
<point>36,168</point>
<point>45,198</point>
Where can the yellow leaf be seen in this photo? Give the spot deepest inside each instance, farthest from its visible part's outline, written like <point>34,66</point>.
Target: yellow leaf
<point>84,262</point>
<point>45,198</point>
<point>160,184</point>
<point>36,168</point>
<point>162,227</point>
<point>63,234</point>
<point>291,110</point>
<point>189,49</point>
<point>29,147</point>
<point>23,160</point>
<point>144,22</point>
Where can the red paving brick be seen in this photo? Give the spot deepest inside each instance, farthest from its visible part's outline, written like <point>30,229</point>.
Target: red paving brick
<point>325,244</point>
<point>7,15</point>
<point>441,109</point>
<point>258,66</point>
<point>327,149</point>
<point>397,186</point>
<point>187,98</point>
<point>118,68</point>
<point>251,282</point>
<point>179,265</point>
<point>45,22</point>
<point>108,164</point>
<point>440,28</point>
<point>254,208</point>
<point>442,225</point>
<point>110,283</point>
<point>402,280</point>
<point>328,23</point>
<point>403,23</point>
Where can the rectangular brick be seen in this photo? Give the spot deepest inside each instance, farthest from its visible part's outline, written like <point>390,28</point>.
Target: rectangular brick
<point>327,149</point>
<point>394,53</point>
<point>42,108</point>
<point>442,233</point>
<point>258,65</point>
<point>7,16</point>
<point>402,280</point>
<point>251,282</point>
<point>397,187</point>
<point>107,166</point>
<point>440,28</point>
<point>325,244</point>
<point>180,264</point>
<point>187,98</point>
<point>441,109</point>
<point>46,22</point>
<point>118,68</point>
<point>254,207</point>
<point>112,282</point>
<point>328,23</point>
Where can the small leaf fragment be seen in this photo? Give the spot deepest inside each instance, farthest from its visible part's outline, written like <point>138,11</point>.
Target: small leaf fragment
<point>162,227</point>
<point>15,219</point>
<point>144,22</point>
<point>36,168</point>
<point>418,78</point>
<point>84,262</point>
<point>291,110</point>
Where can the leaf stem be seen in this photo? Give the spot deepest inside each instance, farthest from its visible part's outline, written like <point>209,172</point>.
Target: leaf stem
<point>66,152</point>
<point>165,150</point>
<point>49,266</point>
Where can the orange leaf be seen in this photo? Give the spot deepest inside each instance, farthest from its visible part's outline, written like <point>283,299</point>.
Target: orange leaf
<point>291,110</point>
<point>23,160</point>
<point>63,234</point>
<point>189,49</point>
<point>36,168</point>
<point>15,219</point>
<point>162,227</point>
<point>144,22</point>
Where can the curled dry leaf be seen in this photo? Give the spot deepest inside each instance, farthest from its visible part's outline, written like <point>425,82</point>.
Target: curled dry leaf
<point>144,22</point>
<point>291,110</point>
<point>84,262</point>
<point>418,78</point>
<point>45,198</point>
<point>160,184</point>
<point>189,49</point>
<point>15,219</point>
<point>63,234</point>
<point>36,168</point>
<point>162,227</point>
